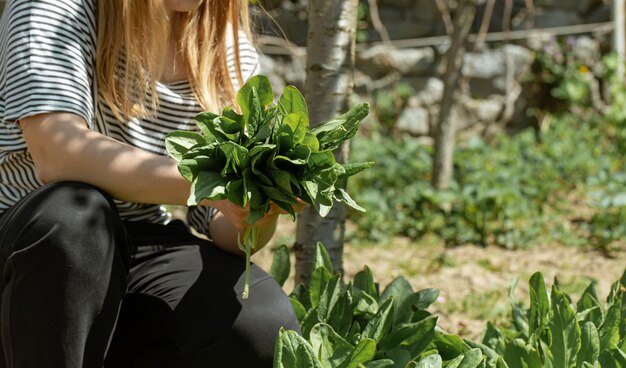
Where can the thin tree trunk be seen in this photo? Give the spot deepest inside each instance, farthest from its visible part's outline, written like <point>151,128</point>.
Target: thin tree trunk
<point>329,85</point>
<point>444,139</point>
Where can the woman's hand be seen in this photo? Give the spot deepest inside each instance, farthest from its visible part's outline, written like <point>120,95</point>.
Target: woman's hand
<point>229,224</point>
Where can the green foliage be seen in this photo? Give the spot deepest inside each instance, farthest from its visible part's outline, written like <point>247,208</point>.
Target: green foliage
<point>559,79</point>
<point>556,332</point>
<point>355,325</point>
<point>513,192</point>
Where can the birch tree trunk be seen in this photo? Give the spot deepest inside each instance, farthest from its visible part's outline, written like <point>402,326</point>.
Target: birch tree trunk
<point>444,138</point>
<point>329,85</point>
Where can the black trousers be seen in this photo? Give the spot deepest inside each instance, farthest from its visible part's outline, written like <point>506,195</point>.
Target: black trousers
<point>82,288</point>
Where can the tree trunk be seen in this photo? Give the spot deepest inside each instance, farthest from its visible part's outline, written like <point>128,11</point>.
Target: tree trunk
<point>329,85</point>
<point>444,139</point>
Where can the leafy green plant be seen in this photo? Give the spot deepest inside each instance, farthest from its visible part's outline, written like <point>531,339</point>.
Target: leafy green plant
<point>357,325</point>
<point>266,154</point>
<point>556,332</point>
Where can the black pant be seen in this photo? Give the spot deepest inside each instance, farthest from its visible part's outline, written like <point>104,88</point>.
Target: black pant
<point>82,288</point>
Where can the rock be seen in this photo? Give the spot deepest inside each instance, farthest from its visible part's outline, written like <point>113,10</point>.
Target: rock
<point>430,94</point>
<point>382,60</point>
<point>487,64</point>
<point>587,50</point>
<point>486,111</point>
<point>522,58</point>
<point>414,120</point>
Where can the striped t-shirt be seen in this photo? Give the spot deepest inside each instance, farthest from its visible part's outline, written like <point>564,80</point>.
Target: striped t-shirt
<point>47,64</point>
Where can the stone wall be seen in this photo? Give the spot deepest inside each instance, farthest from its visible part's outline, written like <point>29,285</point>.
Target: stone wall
<point>492,99</point>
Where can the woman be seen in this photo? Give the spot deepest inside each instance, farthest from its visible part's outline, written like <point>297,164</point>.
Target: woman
<point>91,275</point>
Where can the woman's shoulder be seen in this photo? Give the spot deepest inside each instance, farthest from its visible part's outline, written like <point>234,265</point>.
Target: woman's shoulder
<point>75,8</point>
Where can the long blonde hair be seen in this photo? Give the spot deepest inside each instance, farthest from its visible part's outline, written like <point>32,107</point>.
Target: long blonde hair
<point>134,31</point>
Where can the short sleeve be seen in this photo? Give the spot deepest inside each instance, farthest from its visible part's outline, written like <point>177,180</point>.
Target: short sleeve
<point>198,217</point>
<point>50,58</point>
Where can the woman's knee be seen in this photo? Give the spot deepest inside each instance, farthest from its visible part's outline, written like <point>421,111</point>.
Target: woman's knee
<point>264,313</point>
<point>73,221</point>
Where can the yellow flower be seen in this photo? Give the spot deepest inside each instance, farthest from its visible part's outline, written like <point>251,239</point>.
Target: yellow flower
<point>583,69</point>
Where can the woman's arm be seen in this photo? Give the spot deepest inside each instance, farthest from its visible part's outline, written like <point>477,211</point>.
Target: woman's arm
<point>63,148</point>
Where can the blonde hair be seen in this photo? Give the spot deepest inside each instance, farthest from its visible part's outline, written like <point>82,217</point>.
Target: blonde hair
<point>134,31</point>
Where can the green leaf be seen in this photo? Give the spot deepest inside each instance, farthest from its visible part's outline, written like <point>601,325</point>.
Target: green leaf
<point>449,346</point>
<point>520,355</point>
<point>417,301</point>
<point>236,158</point>
<point>399,289</point>
<point>281,265</point>
<point>589,304</point>
<point>431,361</point>
<point>329,347</point>
<point>319,280</point>
<point>235,192</point>
<point>219,128</point>
<point>322,259</point>
<point>590,344</point>
<point>334,132</point>
<point>292,101</point>
<point>294,351</point>
<point>381,363</point>
<point>298,308</point>
<point>401,357</point>
<point>406,335</point>
<point>310,140</point>
<point>364,280</point>
<point>493,359</point>
<point>263,87</point>
<point>609,330</point>
<point>351,170</point>
<point>363,353</point>
<point>539,304</point>
<point>190,167</point>
<point>259,203</point>
<point>564,329</point>
<point>342,196</point>
<point>178,142</point>
<point>366,305</point>
<point>207,185</point>
<point>472,359</point>
<point>380,324</point>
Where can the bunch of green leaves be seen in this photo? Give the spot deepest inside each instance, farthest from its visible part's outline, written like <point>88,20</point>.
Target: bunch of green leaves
<point>267,153</point>
<point>356,325</point>
<point>556,332</point>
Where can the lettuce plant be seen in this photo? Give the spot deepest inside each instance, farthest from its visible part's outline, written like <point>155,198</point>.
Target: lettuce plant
<point>267,153</point>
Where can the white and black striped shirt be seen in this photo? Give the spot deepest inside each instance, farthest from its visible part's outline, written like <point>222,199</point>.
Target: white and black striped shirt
<point>47,64</point>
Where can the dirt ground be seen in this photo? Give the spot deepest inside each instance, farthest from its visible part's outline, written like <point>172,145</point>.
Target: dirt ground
<point>473,281</point>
